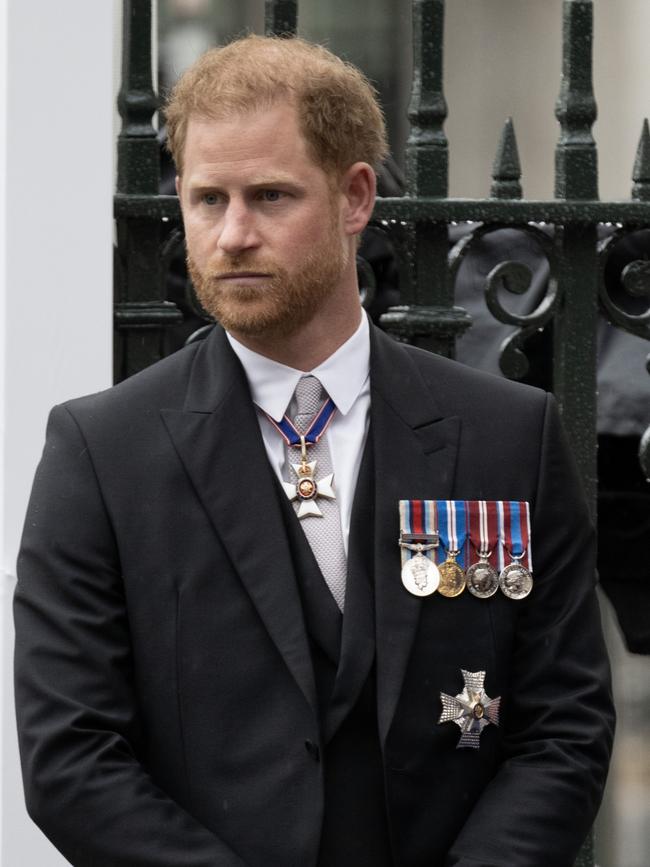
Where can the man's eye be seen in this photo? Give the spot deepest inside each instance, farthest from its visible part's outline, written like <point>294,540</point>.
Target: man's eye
<point>271,195</point>
<point>210,198</point>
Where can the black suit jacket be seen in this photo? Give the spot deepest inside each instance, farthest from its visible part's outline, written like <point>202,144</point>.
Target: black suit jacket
<point>165,691</point>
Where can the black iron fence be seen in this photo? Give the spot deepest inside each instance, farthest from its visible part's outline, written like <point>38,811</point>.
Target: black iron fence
<point>149,229</point>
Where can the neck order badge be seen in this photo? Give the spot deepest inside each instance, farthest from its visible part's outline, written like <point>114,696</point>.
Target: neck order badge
<point>306,488</point>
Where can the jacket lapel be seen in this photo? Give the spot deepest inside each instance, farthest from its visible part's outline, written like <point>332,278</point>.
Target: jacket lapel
<point>217,438</point>
<point>415,457</point>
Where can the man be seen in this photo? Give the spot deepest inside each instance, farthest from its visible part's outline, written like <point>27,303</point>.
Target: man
<point>218,664</point>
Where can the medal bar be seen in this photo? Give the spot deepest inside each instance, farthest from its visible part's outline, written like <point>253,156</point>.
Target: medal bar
<point>491,537</point>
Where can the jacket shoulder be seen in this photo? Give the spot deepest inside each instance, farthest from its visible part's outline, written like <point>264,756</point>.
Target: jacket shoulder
<point>460,384</point>
<point>162,384</point>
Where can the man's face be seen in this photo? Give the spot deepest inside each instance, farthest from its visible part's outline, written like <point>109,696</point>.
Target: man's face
<point>263,224</point>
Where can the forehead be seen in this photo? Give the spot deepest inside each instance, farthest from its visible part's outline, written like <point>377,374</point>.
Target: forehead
<point>264,139</point>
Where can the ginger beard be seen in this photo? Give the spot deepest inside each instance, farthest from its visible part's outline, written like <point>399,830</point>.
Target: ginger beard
<point>278,306</point>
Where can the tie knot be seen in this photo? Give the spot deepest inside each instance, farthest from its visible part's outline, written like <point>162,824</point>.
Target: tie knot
<point>307,398</point>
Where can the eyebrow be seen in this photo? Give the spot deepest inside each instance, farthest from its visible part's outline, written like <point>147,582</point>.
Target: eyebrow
<point>255,182</point>
<point>271,180</point>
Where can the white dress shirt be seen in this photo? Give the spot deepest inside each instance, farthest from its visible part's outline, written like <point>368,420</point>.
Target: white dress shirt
<point>345,376</point>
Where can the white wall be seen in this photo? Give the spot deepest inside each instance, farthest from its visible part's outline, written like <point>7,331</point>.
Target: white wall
<point>56,141</point>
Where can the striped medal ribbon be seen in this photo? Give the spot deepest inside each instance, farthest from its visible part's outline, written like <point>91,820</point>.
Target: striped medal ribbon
<point>516,578</point>
<point>314,432</point>
<point>452,526</point>
<point>482,578</point>
<point>418,540</point>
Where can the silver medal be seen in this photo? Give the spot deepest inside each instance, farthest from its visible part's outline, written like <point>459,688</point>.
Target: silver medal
<point>420,575</point>
<point>516,581</point>
<point>482,579</point>
<point>472,709</point>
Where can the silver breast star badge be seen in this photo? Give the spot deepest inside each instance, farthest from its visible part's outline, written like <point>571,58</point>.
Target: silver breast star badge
<point>471,710</point>
<point>307,489</point>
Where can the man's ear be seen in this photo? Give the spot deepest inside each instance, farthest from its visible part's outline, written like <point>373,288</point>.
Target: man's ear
<point>177,184</point>
<point>358,187</point>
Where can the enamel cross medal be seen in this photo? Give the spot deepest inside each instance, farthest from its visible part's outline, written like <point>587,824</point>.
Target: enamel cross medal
<point>307,488</point>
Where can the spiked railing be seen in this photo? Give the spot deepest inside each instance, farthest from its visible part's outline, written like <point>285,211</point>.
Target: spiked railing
<point>141,312</point>
<point>280,17</point>
<point>576,177</point>
<point>427,315</point>
<point>576,269</point>
<point>506,171</point>
<point>641,171</point>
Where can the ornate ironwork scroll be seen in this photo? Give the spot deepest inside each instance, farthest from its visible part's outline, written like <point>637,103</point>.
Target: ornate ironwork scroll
<point>514,277</point>
<point>629,310</point>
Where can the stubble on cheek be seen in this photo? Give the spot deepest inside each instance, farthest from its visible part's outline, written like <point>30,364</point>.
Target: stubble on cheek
<point>239,307</point>
<point>280,304</point>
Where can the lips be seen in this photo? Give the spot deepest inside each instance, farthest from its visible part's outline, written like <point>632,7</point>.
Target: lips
<point>242,276</point>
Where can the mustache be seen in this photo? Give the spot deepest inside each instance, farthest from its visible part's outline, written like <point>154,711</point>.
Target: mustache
<point>241,265</point>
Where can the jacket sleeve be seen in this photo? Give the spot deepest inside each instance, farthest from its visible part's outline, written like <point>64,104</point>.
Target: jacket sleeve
<point>76,708</point>
<point>559,722</point>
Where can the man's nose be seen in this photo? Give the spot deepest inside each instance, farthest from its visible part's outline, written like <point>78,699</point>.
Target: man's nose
<point>238,231</point>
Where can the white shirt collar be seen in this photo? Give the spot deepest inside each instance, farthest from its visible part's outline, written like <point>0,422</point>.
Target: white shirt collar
<point>342,375</point>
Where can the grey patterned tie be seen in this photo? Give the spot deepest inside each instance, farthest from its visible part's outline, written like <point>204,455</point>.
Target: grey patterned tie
<point>324,533</point>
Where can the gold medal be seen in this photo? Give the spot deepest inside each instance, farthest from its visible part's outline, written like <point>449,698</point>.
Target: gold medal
<point>452,577</point>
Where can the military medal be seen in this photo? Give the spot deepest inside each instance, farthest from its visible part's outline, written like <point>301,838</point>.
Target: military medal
<point>418,541</point>
<point>446,531</point>
<point>420,574</point>
<point>472,709</point>
<point>452,523</point>
<point>452,577</point>
<point>307,488</point>
<point>516,579</point>
<point>482,578</point>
